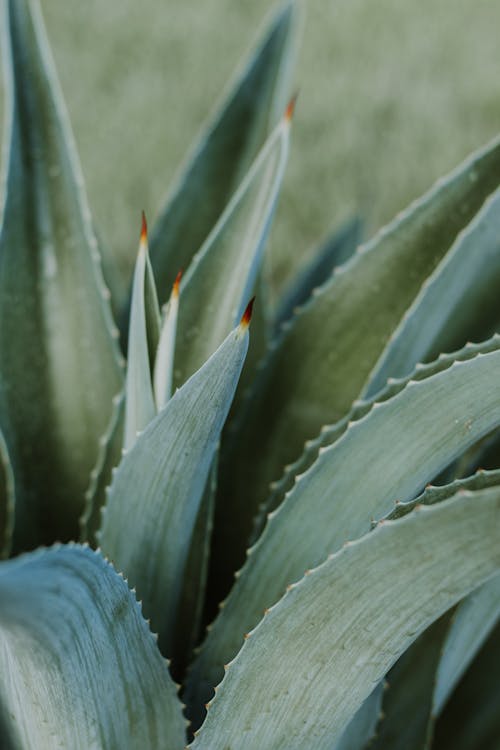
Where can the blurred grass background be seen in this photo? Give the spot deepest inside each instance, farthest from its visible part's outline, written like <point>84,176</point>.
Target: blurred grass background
<point>392,95</point>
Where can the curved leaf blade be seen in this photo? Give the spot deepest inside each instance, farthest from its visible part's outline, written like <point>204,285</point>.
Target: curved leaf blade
<point>155,496</point>
<point>288,693</point>
<point>60,365</point>
<point>70,627</point>
<point>401,444</point>
<point>326,355</point>
<point>458,302</point>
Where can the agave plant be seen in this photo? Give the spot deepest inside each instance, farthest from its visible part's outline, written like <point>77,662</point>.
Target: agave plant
<point>286,471</point>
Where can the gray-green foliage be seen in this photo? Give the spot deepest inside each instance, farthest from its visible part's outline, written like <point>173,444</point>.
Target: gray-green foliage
<point>357,571</point>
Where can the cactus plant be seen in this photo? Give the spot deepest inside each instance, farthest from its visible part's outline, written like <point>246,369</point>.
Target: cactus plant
<point>287,469</point>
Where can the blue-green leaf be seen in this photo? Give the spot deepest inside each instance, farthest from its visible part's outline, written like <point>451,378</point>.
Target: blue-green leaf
<point>327,353</point>
<point>388,455</point>
<point>155,495</point>
<point>59,360</point>
<point>79,667</point>
<point>144,333</point>
<point>301,690</point>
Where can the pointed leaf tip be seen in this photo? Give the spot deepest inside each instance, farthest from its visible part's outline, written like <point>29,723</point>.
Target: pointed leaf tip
<point>247,315</point>
<point>177,283</point>
<point>144,229</point>
<point>290,109</point>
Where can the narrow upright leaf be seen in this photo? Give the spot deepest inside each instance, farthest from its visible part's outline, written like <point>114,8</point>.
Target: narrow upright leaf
<point>302,690</point>
<point>223,274</point>
<point>79,667</point>
<point>156,492</point>
<point>163,373</point>
<point>225,149</point>
<point>143,338</point>
<point>59,360</point>
<point>458,302</point>
<point>472,623</point>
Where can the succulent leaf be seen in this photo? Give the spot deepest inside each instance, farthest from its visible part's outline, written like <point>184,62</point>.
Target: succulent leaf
<point>458,302</point>
<point>331,433</point>
<point>226,148</point>
<point>60,365</point>
<point>223,274</point>
<point>144,334</point>
<point>80,668</point>
<point>400,444</point>
<point>155,496</point>
<point>163,371</point>
<point>303,689</point>
<point>327,353</point>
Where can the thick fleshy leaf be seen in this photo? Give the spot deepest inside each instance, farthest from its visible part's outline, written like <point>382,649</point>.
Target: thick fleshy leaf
<point>79,667</point>
<point>471,720</point>
<point>60,365</point>
<point>331,433</point>
<point>459,302</point>
<point>302,690</point>
<point>144,333</point>
<point>387,456</point>
<point>6,500</point>
<point>110,453</point>
<point>326,355</point>
<point>155,495</point>
<point>335,251</point>
<point>225,149</point>
<point>222,276</point>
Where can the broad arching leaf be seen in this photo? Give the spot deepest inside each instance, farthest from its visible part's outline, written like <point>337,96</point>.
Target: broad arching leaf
<point>59,360</point>
<point>387,456</point>
<point>302,690</point>
<point>326,355</point>
<point>155,496</point>
<point>223,274</point>
<point>79,667</point>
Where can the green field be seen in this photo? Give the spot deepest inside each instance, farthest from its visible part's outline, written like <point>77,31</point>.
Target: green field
<point>392,94</point>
